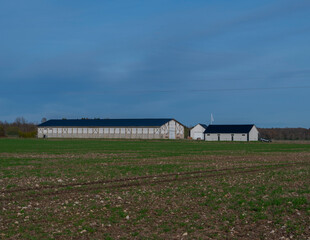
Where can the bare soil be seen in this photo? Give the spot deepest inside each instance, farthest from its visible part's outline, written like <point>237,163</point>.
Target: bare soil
<point>263,196</point>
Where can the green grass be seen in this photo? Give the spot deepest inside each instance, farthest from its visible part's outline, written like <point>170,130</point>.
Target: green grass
<point>275,198</point>
<point>143,147</point>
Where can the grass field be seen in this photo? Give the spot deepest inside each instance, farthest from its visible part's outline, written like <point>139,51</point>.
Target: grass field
<point>130,189</point>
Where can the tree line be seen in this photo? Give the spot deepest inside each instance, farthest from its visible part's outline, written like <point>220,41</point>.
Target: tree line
<point>19,128</point>
<point>285,133</point>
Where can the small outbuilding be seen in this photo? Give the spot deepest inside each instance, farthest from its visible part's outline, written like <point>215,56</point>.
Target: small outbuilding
<point>197,132</point>
<point>246,132</point>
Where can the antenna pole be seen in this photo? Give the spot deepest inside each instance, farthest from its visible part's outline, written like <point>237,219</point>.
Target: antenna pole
<point>212,119</point>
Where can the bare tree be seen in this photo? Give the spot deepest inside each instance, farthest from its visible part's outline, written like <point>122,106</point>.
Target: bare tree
<point>20,121</point>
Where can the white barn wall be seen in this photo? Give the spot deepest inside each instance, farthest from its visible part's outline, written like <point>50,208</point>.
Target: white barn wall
<point>253,135</point>
<point>225,137</point>
<point>211,137</point>
<point>242,137</point>
<point>197,132</point>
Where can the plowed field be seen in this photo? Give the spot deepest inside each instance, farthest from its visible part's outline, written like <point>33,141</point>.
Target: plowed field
<point>100,189</point>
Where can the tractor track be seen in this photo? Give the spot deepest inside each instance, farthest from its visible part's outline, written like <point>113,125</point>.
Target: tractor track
<point>142,178</point>
<point>154,179</point>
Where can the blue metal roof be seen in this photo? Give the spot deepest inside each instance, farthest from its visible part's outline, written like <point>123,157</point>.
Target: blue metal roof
<point>245,128</point>
<point>148,122</point>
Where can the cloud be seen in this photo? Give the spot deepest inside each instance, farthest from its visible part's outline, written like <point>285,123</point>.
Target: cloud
<point>96,61</point>
<point>265,14</point>
<point>201,29</point>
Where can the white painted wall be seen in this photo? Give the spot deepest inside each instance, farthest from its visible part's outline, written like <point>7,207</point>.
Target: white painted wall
<point>242,137</point>
<point>211,137</point>
<point>253,135</point>
<point>197,132</point>
<point>225,137</point>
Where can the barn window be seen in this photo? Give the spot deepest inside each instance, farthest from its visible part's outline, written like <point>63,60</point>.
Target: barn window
<point>243,135</point>
<point>208,134</point>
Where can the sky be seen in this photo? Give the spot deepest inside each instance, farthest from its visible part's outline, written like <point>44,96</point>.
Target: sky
<point>243,61</point>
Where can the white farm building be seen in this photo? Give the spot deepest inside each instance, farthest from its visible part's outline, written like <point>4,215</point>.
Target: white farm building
<point>197,132</point>
<point>247,132</point>
<point>163,128</point>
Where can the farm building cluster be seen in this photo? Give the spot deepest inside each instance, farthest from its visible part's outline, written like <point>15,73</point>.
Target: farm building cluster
<point>212,132</point>
<point>151,128</point>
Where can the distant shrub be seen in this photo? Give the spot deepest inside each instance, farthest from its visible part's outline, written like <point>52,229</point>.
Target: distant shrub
<point>12,131</point>
<point>2,132</point>
<point>186,132</point>
<point>27,134</point>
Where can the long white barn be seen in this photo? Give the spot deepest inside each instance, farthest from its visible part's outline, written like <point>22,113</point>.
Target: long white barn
<point>163,128</point>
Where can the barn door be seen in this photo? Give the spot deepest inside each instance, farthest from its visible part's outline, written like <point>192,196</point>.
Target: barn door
<point>172,130</point>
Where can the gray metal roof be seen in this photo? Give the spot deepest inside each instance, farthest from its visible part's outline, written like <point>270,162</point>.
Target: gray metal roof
<point>147,122</point>
<point>244,128</point>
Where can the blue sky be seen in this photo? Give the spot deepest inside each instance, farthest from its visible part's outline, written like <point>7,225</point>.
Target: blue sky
<point>243,61</point>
